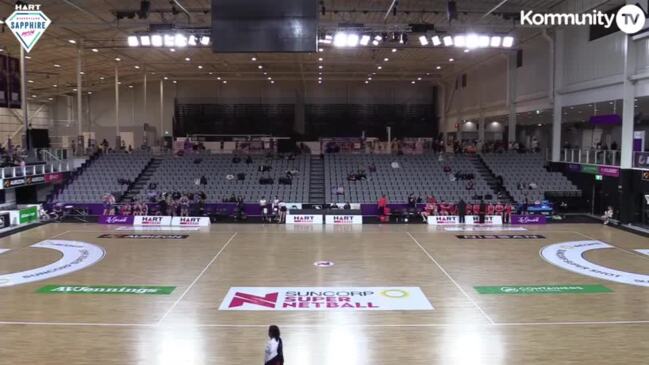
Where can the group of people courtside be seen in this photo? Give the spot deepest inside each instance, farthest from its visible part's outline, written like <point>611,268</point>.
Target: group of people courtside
<point>461,209</point>
<point>171,204</point>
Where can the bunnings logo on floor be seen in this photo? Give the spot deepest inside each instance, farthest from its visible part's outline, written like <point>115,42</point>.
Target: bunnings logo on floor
<point>106,289</point>
<point>543,289</point>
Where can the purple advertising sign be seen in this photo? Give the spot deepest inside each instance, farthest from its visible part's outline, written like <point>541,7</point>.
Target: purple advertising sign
<point>529,219</point>
<point>573,167</point>
<point>116,219</point>
<point>607,119</point>
<point>609,171</point>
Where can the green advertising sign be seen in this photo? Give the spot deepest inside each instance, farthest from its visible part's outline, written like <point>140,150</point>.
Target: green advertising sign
<point>106,289</point>
<point>542,289</point>
<point>589,169</point>
<point>27,215</point>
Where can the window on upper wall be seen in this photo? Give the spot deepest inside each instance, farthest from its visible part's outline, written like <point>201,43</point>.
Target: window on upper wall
<point>519,58</point>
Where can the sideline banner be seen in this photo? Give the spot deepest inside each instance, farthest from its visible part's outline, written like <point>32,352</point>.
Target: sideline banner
<point>28,215</point>
<point>325,299</point>
<point>343,219</point>
<point>155,221</point>
<point>116,219</point>
<point>304,219</point>
<point>443,219</point>
<point>190,221</point>
<point>489,220</point>
<point>529,219</point>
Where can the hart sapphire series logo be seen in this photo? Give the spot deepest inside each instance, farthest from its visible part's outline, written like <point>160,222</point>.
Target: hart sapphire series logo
<point>28,23</point>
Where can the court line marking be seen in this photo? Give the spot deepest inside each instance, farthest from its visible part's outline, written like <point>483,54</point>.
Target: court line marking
<point>491,321</point>
<point>415,325</point>
<point>630,252</point>
<point>200,275</point>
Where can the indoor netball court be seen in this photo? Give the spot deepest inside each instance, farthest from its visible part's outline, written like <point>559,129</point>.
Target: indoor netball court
<point>417,295</point>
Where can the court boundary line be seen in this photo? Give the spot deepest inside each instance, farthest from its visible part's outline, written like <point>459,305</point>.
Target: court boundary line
<point>200,275</point>
<point>413,325</point>
<point>457,285</point>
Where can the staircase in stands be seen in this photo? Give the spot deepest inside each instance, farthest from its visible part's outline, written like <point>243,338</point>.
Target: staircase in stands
<point>73,175</point>
<point>141,181</point>
<point>491,179</point>
<point>317,181</point>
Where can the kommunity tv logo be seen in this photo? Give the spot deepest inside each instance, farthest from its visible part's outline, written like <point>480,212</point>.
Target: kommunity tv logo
<point>630,18</point>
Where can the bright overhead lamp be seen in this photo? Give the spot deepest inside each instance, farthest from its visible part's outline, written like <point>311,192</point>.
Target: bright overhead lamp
<point>436,40</point>
<point>192,40</point>
<point>145,40</point>
<point>483,41</point>
<point>187,59</point>
<point>451,59</point>
<point>448,41</point>
<point>378,38</point>
<point>156,40</point>
<point>472,41</point>
<point>205,40</point>
<point>365,40</point>
<point>438,67</point>
<point>352,40</point>
<point>169,40</point>
<point>423,40</point>
<point>459,41</point>
<point>95,50</point>
<point>375,42</point>
<point>495,41</point>
<point>133,41</point>
<point>117,59</point>
<point>72,41</point>
<point>180,40</point>
<point>386,59</point>
<point>340,39</point>
<point>508,42</point>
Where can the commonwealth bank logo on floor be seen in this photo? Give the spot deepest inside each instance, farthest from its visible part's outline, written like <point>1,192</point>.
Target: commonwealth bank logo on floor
<point>325,299</point>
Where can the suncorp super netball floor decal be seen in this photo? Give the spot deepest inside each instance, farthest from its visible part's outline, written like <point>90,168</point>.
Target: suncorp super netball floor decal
<point>77,256</point>
<point>570,256</point>
<point>325,299</point>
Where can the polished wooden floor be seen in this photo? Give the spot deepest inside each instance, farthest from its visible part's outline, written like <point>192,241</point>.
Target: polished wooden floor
<point>186,327</point>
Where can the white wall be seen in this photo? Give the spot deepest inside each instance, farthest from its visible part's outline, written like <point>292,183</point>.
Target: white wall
<point>486,93</point>
<point>11,121</point>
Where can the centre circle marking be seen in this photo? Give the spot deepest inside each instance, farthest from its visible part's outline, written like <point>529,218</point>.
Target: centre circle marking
<point>76,255</point>
<point>570,256</point>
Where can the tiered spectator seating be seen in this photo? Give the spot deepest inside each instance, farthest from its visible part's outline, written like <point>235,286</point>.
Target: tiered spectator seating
<point>422,175</point>
<point>521,169</point>
<point>180,173</point>
<point>102,176</point>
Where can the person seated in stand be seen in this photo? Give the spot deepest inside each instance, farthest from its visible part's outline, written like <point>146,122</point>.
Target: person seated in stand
<point>444,208</point>
<point>263,205</point>
<point>184,206</point>
<point>395,165</point>
<point>236,159</point>
<point>507,216</point>
<point>372,167</point>
<point>532,186</point>
<point>447,169</point>
<point>125,209</point>
<point>491,209</point>
<point>248,160</point>
<point>412,201</point>
<point>469,185</point>
<point>232,199</point>
<point>382,203</point>
<point>340,190</point>
<point>500,210</point>
<point>229,177</point>
<point>347,206</point>
<point>608,215</point>
<point>351,177</point>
